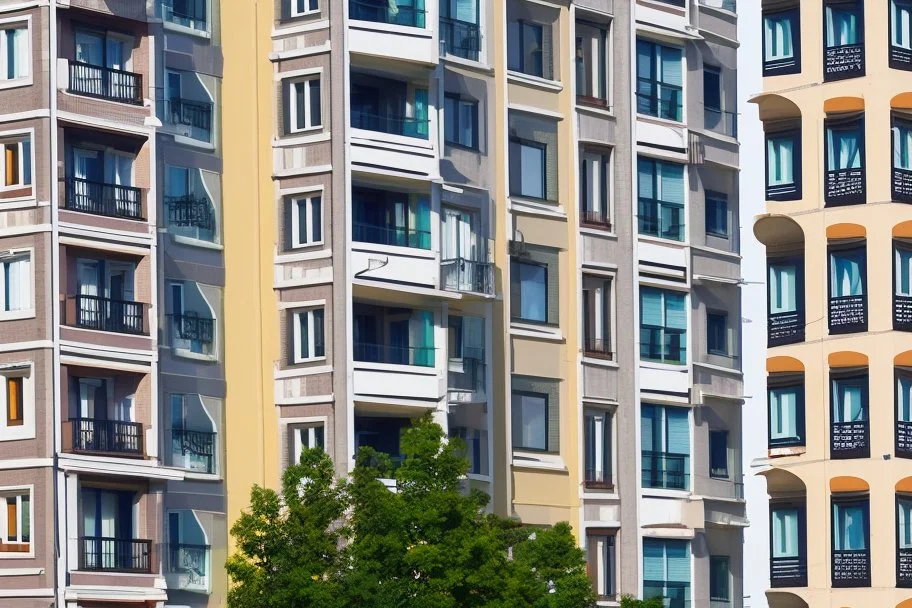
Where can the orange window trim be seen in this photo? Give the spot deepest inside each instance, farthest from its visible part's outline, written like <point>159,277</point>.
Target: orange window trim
<point>14,402</point>
<point>12,164</point>
<point>11,519</point>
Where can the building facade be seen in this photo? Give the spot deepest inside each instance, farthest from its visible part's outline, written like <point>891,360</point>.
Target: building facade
<point>835,106</point>
<point>520,217</point>
<point>112,273</point>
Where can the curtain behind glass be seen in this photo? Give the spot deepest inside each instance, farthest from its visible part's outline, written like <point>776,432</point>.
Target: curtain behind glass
<point>902,146</point>
<point>904,399</point>
<point>845,274</point>
<point>782,286</point>
<point>843,148</point>
<point>841,26</point>
<point>849,527</point>
<point>785,533</point>
<point>848,401</point>
<point>900,13</point>
<point>783,413</point>
<point>779,160</point>
<point>777,31</point>
<point>904,522</point>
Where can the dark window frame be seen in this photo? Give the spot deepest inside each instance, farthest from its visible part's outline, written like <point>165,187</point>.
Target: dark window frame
<point>716,198</point>
<point>717,71</point>
<point>796,260</point>
<point>714,597</point>
<point>607,450</point>
<point>727,475</point>
<point>785,381</point>
<point>513,275</point>
<point>531,143</point>
<point>655,83</point>
<point>863,378</point>
<point>603,213</point>
<point>459,100</point>
<point>523,23</point>
<point>782,67</point>
<point>899,57</point>
<point>855,500</point>
<point>902,305</point>
<point>784,192</point>
<point>902,582</point>
<point>850,123</point>
<point>832,249</point>
<point>546,398</point>
<point>610,536</point>
<point>900,372</point>
<point>854,72</point>
<point>716,315</point>
<point>800,580</point>
<point>901,179</point>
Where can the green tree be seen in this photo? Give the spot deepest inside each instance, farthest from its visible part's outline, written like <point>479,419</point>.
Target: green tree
<point>429,544</point>
<point>631,602</point>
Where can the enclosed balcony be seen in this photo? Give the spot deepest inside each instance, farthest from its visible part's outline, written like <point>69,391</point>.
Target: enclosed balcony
<point>470,276</point>
<point>188,559</point>
<point>460,38</point>
<point>389,106</point>
<point>665,470</point>
<point>191,116</point>
<point>187,106</point>
<point>466,370</point>
<point>386,217</point>
<point>409,13</point>
<point>107,541</point>
<point>191,14</point>
<point>190,331</point>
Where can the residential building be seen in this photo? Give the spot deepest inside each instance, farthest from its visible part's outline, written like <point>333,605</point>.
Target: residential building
<point>429,209</point>
<point>834,108</point>
<point>110,356</point>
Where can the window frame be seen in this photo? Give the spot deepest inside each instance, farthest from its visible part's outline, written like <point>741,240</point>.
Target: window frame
<point>297,446</point>
<point>306,202</point>
<point>781,383</point>
<point>683,348</point>
<point>855,71</point>
<point>521,68</point>
<point>545,397</point>
<point>18,491</point>
<point>459,102</point>
<point>14,255</point>
<point>717,71</point>
<point>515,262</point>
<point>601,34</point>
<point>610,575</point>
<point>728,578</point>
<point>26,428</point>
<point>655,82</point>
<point>899,374</point>
<point>833,250</point>
<point>715,198</point>
<point>900,57</point>
<point>727,475</point>
<point>308,313</point>
<point>294,12</point>
<point>606,314</point>
<point>543,147</point>
<point>864,502</point>
<point>25,162</point>
<point>791,65</point>
<point>832,126</point>
<point>604,189</point>
<point>902,582</point>
<point>711,317</point>
<point>800,508</point>
<point>862,378</point>
<point>659,199</point>
<point>17,23</point>
<point>608,443</point>
<point>293,118</point>
<point>790,191</point>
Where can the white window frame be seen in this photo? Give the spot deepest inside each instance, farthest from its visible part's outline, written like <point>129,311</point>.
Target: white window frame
<point>607,415</point>
<point>18,138</point>
<point>306,201</point>
<point>26,430</point>
<point>298,446</point>
<point>293,107</point>
<point>6,492</point>
<point>25,313</point>
<point>296,328</point>
<point>17,23</point>
<point>294,12</point>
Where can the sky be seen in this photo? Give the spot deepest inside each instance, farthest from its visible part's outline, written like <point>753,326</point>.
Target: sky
<point>753,297</point>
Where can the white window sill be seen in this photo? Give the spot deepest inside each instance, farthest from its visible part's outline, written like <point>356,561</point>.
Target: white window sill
<point>16,315</point>
<point>611,234</point>
<point>389,28</point>
<point>308,360</point>
<point>612,363</point>
<point>189,240</point>
<point>537,207</point>
<point>189,354</point>
<point>17,83</point>
<point>536,332</point>
<point>660,493</point>
<point>534,81</point>
<point>678,124</point>
<point>648,238</point>
<point>306,130</point>
<point>535,460</point>
<point>192,142</point>
<point>183,29</point>
<point>592,109</point>
<point>21,433</point>
<point>481,64</point>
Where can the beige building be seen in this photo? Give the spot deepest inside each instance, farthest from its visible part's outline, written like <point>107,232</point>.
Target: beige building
<point>836,111</point>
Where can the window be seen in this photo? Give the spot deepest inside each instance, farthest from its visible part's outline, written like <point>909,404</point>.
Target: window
<point>845,159</point>
<point>597,317</point>
<point>844,40</point>
<point>663,326</point>
<point>598,449</point>
<point>15,521</point>
<point>17,163</point>
<point>787,545</point>
<point>461,124</point>
<point>665,439</point>
<point>659,90</point>
<point>602,559</point>
<point>476,448</point>
<point>786,414</point>
<point>306,221</point>
<point>783,166</point>
<point>903,408</point>
<point>16,403</point>
<point>843,24</point>
<point>900,39</point>
<point>385,217</point>
<point>528,169</point>
<point>308,335</point>
<point>530,421</point>
<point>781,43</point>
<point>851,557</point>
<point>783,287</point>
<point>661,198</point>
<point>15,284</point>
<point>303,7</point>
<point>785,301</point>
<point>15,56</point>
<point>902,157</point>
<point>186,13</point>
<point>903,539</point>
<point>849,415</point>
<point>304,104</point>
<point>666,571</point>
<point>528,48</point>
<point>847,280</point>
<point>459,29</point>
<point>719,579</point>
<point>902,286</point>
<point>595,189</point>
<point>718,454</point>
<point>306,436</point>
<point>528,292</point>
<point>712,88</point>
<point>717,214</point>
<point>717,333</point>
<point>591,64</point>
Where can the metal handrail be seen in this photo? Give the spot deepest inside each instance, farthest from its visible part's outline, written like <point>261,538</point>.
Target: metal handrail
<point>103,82</point>
<point>99,198</point>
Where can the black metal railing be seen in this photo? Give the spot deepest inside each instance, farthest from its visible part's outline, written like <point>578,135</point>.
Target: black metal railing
<point>788,571</point>
<point>663,344</point>
<point>665,470</point>
<point>422,356</point>
<point>460,274</point>
<point>191,561</point>
<point>197,444</point>
<point>471,379</point>
<point>98,198</point>
<point>107,436</point>
<point>598,348</point>
<point>902,312</point>
<point>900,58</point>
<point>105,83</point>
<point>386,12</point>
<point>386,123</point>
<point>105,314</point>
<point>728,5</point>
<point>851,568</point>
<point>902,185</point>
<point>720,121</point>
<point>190,326</point>
<point>188,13</point>
<point>399,236</point>
<point>660,218</point>
<point>190,211</point>
<point>107,554</point>
<point>904,567</point>
<point>849,439</point>
<point>460,38</point>
<point>903,439</point>
<point>785,328</point>
<point>597,219</point>
<point>844,186</point>
<point>597,479</point>
<point>848,314</point>
<point>844,61</point>
<point>195,114</point>
<point>659,99</point>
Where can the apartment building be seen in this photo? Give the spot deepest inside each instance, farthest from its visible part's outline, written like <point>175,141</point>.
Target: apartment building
<point>835,106</point>
<point>112,272</point>
<point>430,208</point>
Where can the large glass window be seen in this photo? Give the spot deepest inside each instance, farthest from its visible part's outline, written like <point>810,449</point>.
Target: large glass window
<point>597,317</point>
<point>528,291</point>
<point>904,524</point>
<point>718,454</point>
<point>785,525</point>
<point>717,214</point>
<point>783,165</point>
<point>666,571</point>
<point>309,341</point>
<point>591,64</point>
<point>903,398</point>
<point>595,189</point>
<point>717,342</point>
<point>845,146</point>
<point>844,183</point>
<point>597,424</point>
<point>900,38</point>
<point>305,104</point>
<point>15,283</point>
<point>660,81</point>
<point>786,415</point>
<point>847,272</point>
<point>902,144</point>
<point>783,287</point>
<point>663,325</point>
<point>661,198</point>
<point>850,525</point>
<point>526,48</point>
<point>719,579</point>
<point>461,124</point>
<point>15,57</point>
<point>530,421</point>
<point>781,43</point>
<point>16,521</point>
<point>665,439</point>
<point>849,414</point>
<point>843,24</point>
<point>528,170</point>
<point>393,218</point>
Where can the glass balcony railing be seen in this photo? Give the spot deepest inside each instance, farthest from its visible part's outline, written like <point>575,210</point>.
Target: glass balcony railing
<point>659,99</point>
<point>471,276</point>
<point>98,198</point>
<point>665,470</point>
<point>186,13</point>
<point>188,211</point>
<point>195,116</point>
<point>386,11</point>
<point>422,356</point>
<point>460,38</point>
<point>111,554</point>
<point>663,344</point>
<point>720,121</point>
<point>470,379</point>
<point>398,236</point>
<point>189,564</point>
<point>386,123</point>
<point>661,219</point>
<point>105,83</point>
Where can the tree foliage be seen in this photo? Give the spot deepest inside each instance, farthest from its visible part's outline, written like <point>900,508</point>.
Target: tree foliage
<point>332,543</point>
<point>631,602</point>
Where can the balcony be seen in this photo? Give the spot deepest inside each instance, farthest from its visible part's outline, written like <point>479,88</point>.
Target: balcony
<point>904,568</point>
<point>785,328</point>
<point>388,12</point>
<point>391,234</point>
<point>190,212</point>
<point>108,554</point>
<point>105,83</point>
<point>193,118</point>
<point>466,375</point>
<point>460,38</point>
<point>851,568</point>
<point>665,471</point>
<point>788,572</point>
<point>193,450</point>
<point>389,123</point>
<point>190,326</point>
<point>105,314</point>
<point>468,276</point>
<point>109,200</point>
<point>844,187</point>
<point>659,99</point>
<point>848,314</point>
<point>849,439</point>
<point>421,356</point>
<point>661,219</point>
<point>188,567</point>
<point>663,344</point>
<point>902,185</point>
<point>108,437</point>
<point>720,121</point>
<point>597,348</point>
<point>844,61</point>
<point>186,13</point>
